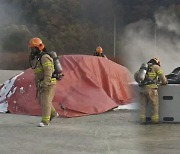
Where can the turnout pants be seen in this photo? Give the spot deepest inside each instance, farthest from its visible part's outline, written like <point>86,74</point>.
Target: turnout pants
<point>148,95</point>
<point>45,97</point>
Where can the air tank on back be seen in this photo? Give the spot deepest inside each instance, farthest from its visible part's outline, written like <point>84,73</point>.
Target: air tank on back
<point>57,65</point>
<point>141,73</point>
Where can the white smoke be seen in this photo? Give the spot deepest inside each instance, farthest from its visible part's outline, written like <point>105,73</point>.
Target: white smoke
<point>145,39</point>
<point>168,20</point>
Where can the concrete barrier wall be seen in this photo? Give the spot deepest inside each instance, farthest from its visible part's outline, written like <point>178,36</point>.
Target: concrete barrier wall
<point>169,102</point>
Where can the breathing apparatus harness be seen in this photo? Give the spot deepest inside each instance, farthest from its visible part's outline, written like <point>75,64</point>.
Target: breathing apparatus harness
<point>35,54</point>
<point>57,66</point>
<point>147,80</point>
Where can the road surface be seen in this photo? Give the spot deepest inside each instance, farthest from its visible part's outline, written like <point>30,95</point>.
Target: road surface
<point>113,132</point>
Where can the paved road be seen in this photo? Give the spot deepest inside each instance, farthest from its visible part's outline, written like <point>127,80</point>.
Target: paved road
<point>113,132</point>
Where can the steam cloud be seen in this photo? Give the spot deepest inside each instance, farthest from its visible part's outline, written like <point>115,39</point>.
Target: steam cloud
<point>144,40</point>
<point>168,20</point>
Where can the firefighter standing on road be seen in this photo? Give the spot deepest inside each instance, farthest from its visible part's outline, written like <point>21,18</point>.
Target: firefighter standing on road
<point>45,83</point>
<point>149,90</point>
<point>99,52</point>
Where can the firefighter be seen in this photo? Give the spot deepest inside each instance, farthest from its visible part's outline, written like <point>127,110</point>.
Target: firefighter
<point>43,67</point>
<point>149,90</point>
<point>99,52</point>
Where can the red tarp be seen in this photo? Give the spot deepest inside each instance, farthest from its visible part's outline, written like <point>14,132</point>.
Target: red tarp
<point>90,85</point>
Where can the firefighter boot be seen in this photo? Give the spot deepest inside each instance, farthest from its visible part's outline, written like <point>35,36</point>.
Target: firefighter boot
<point>45,121</point>
<point>54,114</point>
<point>155,119</point>
<point>143,119</point>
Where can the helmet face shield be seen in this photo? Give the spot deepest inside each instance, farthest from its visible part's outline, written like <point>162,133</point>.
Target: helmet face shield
<point>34,52</point>
<point>34,49</point>
<point>33,57</point>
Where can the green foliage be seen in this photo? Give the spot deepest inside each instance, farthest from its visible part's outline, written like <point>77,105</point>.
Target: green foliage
<point>73,26</point>
<point>14,38</point>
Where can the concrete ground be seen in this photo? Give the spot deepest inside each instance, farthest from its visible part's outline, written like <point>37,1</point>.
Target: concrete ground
<point>113,132</point>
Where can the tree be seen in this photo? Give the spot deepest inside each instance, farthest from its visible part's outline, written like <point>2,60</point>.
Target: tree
<point>14,38</point>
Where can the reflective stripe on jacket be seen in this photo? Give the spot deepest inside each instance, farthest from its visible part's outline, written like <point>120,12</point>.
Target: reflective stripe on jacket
<point>153,74</point>
<point>44,70</point>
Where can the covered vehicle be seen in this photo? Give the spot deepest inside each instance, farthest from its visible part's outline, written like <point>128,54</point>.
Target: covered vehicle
<point>174,76</point>
<point>90,85</point>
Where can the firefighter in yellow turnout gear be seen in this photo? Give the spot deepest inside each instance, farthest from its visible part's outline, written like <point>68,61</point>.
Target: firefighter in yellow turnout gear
<point>45,83</point>
<point>99,52</point>
<point>149,90</point>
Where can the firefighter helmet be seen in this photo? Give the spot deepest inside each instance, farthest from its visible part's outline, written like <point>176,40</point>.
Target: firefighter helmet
<point>155,61</point>
<point>36,42</point>
<point>99,49</point>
